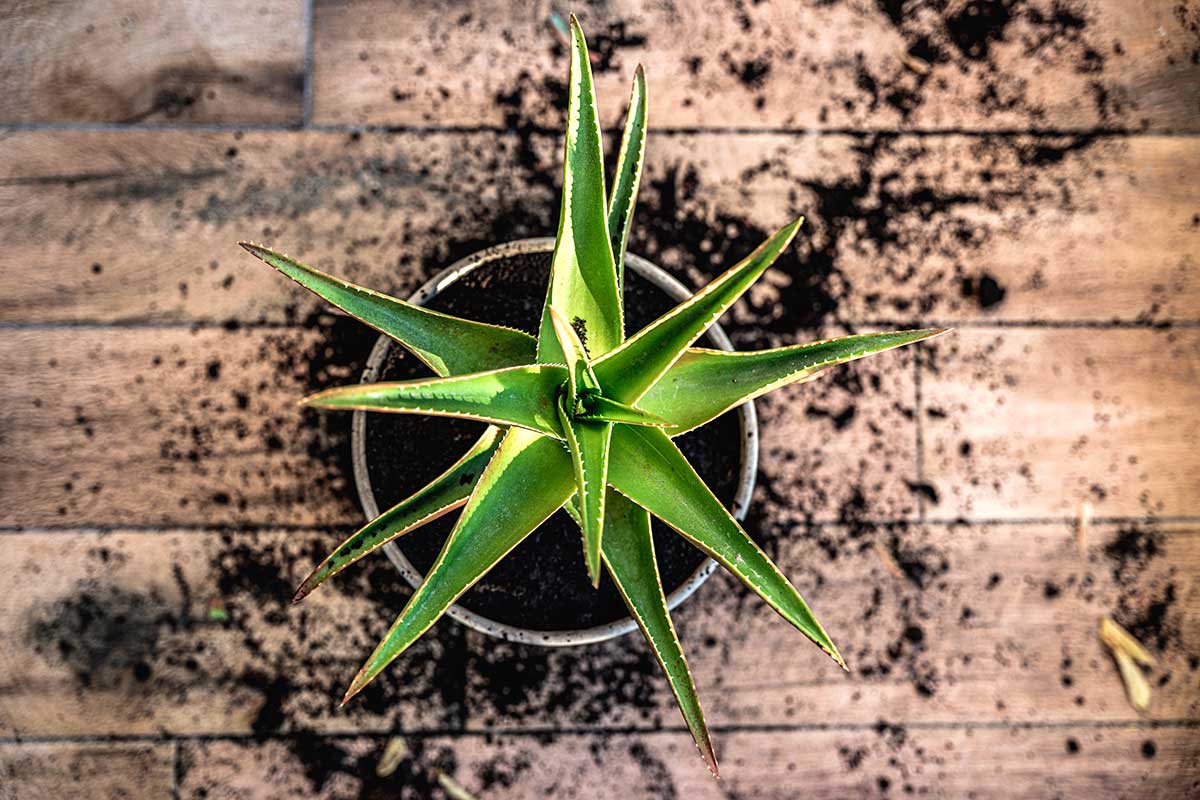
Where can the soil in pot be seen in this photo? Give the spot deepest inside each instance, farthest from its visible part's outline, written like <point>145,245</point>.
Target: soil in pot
<point>542,584</point>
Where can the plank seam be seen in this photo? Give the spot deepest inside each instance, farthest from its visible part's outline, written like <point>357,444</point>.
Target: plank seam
<point>258,528</point>
<point>535,732</point>
<point>233,324</point>
<point>862,133</point>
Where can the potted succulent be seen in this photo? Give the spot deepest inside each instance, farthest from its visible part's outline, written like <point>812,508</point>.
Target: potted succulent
<point>578,415</point>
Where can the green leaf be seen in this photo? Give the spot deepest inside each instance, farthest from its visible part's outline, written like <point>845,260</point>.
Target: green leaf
<point>588,443</point>
<point>611,411</point>
<point>443,494</point>
<point>629,173</point>
<point>703,384</point>
<point>647,467</point>
<point>448,345</point>
<point>583,279</point>
<point>629,371</point>
<point>521,396</point>
<point>579,372</point>
<point>527,480</point>
<point>629,554</point>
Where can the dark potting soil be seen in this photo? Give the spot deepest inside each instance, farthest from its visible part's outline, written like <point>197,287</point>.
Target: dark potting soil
<point>542,584</point>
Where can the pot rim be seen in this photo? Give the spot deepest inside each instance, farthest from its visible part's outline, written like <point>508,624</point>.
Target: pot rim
<point>748,425</point>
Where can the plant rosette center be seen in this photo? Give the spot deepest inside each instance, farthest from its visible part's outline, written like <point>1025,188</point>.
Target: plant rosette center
<point>586,402</point>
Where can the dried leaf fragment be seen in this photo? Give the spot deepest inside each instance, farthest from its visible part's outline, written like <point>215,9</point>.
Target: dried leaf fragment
<point>454,790</point>
<point>889,563</point>
<point>1119,639</point>
<point>1137,688</point>
<point>1128,653</point>
<point>1083,522</point>
<point>394,753</point>
<point>917,65</point>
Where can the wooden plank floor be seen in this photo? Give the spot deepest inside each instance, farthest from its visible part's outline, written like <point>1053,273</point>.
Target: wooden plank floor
<point>1025,170</point>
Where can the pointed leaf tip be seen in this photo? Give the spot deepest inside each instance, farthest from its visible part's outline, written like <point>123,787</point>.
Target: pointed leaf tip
<point>710,761</point>
<point>262,252</point>
<point>792,229</point>
<point>837,658</point>
<point>630,160</point>
<point>629,553</point>
<point>527,479</point>
<point>583,278</point>
<point>354,688</point>
<point>679,497</point>
<point>445,493</point>
<point>703,384</point>
<point>447,344</point>
<point>630,370</point>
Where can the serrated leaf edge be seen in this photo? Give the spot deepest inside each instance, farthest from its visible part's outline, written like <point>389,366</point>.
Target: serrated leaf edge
<point>801,375</point>
<point>258,250</point>
<point>489,437</point>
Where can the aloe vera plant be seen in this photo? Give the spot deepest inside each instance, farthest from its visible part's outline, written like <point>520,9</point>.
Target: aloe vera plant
<point>579,417</point>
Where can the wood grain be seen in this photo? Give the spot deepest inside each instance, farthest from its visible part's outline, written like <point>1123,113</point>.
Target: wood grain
<point>889,761</point>
<point>1025,170</point>
<point>960,624</point>
<point>1030,423</point>
<point>167,405</point>
<point>194,633</point>
<point>179,61</point>
<point>101,771</point>
<point>173,426</point>
<point>142,226</point>
<point>799,66</point>
<point>115,634</point>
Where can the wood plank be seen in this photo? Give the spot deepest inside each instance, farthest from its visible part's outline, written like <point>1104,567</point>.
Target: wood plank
<point>800,66</point>
<point>206,420</point>
<point>103,771</point>
<point>180,62</point>
<point>142,225</point>
<point>971,624</point>
<point>1029,423</point>
<point>116,636</point>
<point>191,633</point>
<point>173,426</point>
<point>1069,762</point>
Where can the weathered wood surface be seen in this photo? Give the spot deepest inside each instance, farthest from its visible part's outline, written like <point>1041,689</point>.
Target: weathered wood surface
<point>118,635</point>
<point>105,226</point>
<point>205,423</point>
<point>101,770</point>
<point>949,623</point>
<point>795,65</point>
<point>179,61</point>
<point>173,426</point>
<point>1026,170</point>
<point>1030,423</point>
<point>1066,761</point>
<point>121,634</point>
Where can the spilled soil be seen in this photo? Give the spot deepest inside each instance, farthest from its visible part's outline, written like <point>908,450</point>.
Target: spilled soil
<point>918,210</point>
